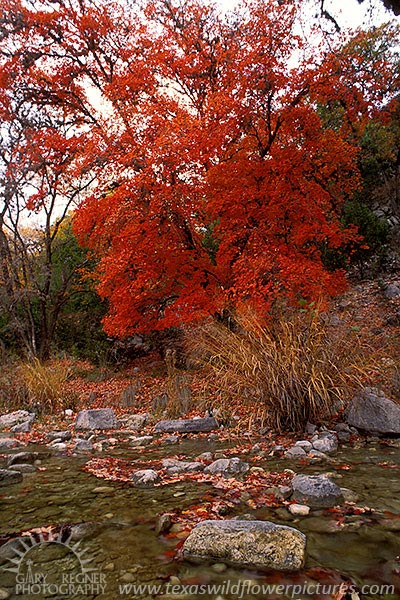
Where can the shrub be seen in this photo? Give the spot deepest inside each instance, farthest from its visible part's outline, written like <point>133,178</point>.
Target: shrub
<point>294,369</point>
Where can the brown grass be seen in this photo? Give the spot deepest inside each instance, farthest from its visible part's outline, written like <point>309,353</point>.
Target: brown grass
<point>295,369</point>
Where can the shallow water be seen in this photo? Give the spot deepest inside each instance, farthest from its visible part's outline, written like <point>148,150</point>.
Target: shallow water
<point>122,548</point>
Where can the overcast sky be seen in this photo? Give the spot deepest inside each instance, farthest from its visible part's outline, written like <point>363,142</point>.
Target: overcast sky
<point>348,13</point>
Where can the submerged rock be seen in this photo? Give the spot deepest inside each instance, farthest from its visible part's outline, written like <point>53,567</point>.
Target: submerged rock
<point>316,491</point>
<point>371,411</point>
<point>98,418</point>
<point>227,466</point>
<point>254,544</point>
<point>8,477</point>
<point>187,425</point>
<point>21,458</point>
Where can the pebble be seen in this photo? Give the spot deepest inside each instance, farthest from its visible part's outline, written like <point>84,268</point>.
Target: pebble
<point>4,594</point>
<point>299,510</point>
<point>128,578</point>
<point>219,567</point>
<point>179,494</point>
<point>103,490</point>
<point>109,515</point>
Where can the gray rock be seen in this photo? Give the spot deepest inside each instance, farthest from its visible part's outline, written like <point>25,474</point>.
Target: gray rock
<point>145,478</point>
<point>163,524</point>
<point>83,446</point>
<point>60,446</point>
<point>175,467</point>
<point>98,418</point>
<point>305,444</point>
<point>22,427</point>
<point>311,428</point>
<point>254,544</point>
<point>392,291</point>
<point>24,468</point>
<point>144,440</point>
<point>326,444</point>
<point>207,456</point>
<point>8,477</point>
<point>21,458</point>
<point>187,425</point>
<point>342,427</point>
<point>63,436</point>
<point>371,411</point>
<point>316,455</point>
<point>349,495</point>
<point>171,439</point>
<point>227,466</point>
<point>316,491</point>
<point>15,418</point>
<point>137,422</point>
<point>295,452</point>
<point>7,443</point>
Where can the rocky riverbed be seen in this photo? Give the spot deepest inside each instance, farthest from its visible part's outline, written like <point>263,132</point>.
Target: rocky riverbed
<point>159,505</point>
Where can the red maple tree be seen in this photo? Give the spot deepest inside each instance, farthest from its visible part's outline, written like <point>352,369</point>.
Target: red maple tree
<point>218,180</point>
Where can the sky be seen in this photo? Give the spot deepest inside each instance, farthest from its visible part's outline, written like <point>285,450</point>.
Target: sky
<point>348,13</point>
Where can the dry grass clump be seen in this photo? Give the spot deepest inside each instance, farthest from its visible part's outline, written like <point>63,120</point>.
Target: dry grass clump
<point>45,385</point>
<point>294,369</point>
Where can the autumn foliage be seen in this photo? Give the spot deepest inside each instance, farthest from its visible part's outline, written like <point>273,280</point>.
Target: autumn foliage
<point>216,178</point>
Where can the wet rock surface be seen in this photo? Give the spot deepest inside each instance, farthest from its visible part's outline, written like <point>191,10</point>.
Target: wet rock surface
<point>259,544</point>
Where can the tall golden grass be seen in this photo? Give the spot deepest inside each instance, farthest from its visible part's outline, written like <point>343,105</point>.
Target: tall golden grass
<point>296,368</point>
<point>45,384</point>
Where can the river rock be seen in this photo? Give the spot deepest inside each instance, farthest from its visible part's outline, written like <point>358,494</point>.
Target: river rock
<point>145,478</point>
<point>295,452</point>
<point>62,436</point>
<point>175,467</point>
<point>171,440</point>
<point>137,422</point>
<point>143,440</point>
<point>83,446</point>
<point>254,544</point>
<point>371,411</point>
<point>299,510</point>
<point>163,524</point>
<point>24,468</point>
<point>8,477</point>
<point>15,418</point>
<point>97,418</point>
<point>305,444</point>
<point>7,443</point>
<point>227,466</point>
<point>316,491</point>
<point>21,458</point>
<point>187,425</point>
<point>326,444</point>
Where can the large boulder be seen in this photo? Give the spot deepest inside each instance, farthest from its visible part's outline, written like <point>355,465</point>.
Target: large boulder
<point>8,477</point>
<point>317,491</point>
<point>371,411</point>
<point>254,544</point>
<point>16,418</point>
<point>227,466</point>
<point>99,418</point>
<point>187,425</point>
